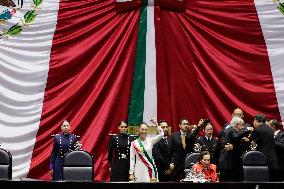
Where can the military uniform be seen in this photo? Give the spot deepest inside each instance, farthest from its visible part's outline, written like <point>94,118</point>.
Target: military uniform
<point>211,145</point>
<point>118,156</point>
<point>63,144</point>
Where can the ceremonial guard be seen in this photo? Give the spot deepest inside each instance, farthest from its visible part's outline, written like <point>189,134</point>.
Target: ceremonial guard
<point>208,142</point>
<point>118,154</point>
<point>63,144</point>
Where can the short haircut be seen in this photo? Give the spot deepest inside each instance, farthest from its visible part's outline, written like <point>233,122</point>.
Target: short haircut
<point>182,119</point>
<point>235,121</point>
<point>206,122</point>
<point>275,124</point>
<point>162,121</point>
<point>260,118</point>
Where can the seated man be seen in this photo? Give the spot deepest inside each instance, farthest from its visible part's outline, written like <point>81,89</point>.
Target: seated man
<point>204,167</point>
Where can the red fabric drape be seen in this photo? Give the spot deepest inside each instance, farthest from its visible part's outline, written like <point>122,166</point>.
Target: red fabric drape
<point>212,59</point>
<point>89,79</point>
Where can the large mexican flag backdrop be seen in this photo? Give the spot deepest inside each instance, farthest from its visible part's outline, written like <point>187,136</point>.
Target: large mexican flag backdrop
<point>86,62</point>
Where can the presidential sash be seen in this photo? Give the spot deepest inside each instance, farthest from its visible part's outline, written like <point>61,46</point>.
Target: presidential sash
<point>146,159</point>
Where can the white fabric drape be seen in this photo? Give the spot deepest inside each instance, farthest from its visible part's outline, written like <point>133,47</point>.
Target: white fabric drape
<point>24,63</point>
<point>272,24</point>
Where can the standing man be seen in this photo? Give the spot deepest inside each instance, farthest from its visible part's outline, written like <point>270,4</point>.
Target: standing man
<point>162,156</point>
<point>64,143</point>
<point>264,138</point>
<point>230,157</point>
<point>279,147</point>
<point>181,144</point>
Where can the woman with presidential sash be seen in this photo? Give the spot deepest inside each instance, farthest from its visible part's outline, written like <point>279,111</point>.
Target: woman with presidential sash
<point>142,165</point>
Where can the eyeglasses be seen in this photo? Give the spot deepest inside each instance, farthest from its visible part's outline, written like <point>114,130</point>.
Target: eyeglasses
<point>124,127</point>
<point>185,123</point>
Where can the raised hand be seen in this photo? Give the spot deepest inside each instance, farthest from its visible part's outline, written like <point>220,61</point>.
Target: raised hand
<point>159,129</point>
<point>154,121</point>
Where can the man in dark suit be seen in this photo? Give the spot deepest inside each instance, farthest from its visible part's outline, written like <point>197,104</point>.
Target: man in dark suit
<point>208,142</point>
<point>181,144</point>
<point>264,138</point>
<point>279,147</point>
<point>230,157</point>
<point>162,156</point>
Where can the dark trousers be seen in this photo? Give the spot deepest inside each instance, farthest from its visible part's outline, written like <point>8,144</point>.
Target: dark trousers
<point>57,173</point>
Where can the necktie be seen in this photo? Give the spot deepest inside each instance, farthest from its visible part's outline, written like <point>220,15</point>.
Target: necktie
<point>183,141</point>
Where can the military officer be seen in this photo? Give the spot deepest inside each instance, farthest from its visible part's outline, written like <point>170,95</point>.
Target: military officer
<point>118,154</point>
<point>208,142</point>
<point>64,143</point>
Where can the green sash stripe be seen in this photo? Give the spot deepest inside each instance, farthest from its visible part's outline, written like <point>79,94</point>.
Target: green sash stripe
<point>148,157</point>
<point>136,106</point>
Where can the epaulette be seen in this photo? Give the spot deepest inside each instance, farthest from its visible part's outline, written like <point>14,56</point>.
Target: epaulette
<point>77,136</point>
<point>133,135</point>
<point>53,135</point>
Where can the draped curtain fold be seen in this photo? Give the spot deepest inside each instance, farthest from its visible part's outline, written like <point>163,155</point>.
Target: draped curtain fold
<point>210,59</point>
<point>213,59</point>
<point>89,80</point>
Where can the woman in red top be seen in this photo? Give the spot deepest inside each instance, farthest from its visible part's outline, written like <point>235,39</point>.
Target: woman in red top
<point>204,167</point>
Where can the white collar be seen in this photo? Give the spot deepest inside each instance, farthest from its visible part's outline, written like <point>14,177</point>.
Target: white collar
<point>208,137</point>
<point>276,132</point>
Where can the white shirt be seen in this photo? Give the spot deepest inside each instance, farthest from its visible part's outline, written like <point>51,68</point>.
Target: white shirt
<point>275,133</point>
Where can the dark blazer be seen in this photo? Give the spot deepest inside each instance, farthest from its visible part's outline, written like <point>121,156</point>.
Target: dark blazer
<point>264,138</point>
<point>231,159</point>
<point>178,153</point>
<point>162,157</point>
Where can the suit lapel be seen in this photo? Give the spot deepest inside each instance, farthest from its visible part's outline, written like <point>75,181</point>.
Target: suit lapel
<point>277,136</point>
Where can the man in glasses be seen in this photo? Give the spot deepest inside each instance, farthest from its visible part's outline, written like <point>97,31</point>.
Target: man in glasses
<point>181,144</point>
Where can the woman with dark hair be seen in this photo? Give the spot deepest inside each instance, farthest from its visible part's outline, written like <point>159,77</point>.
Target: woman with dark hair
<point>64,143</point>
<point>118,154</point>
<point>204,167</point>
<point>142,165</point>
